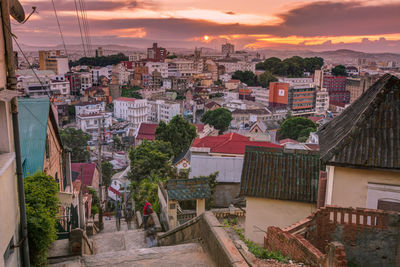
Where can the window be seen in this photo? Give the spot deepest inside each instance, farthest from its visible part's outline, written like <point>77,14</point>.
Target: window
<point>47,148</point>
<point>383,196</point>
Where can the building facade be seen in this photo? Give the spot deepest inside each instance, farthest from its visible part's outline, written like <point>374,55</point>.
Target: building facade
<point>131,109</point>
<point>156,53</point>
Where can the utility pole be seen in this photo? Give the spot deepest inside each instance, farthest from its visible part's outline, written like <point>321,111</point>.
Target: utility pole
<point>99,143</point>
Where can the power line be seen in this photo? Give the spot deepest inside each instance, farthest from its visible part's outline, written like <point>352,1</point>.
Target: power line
<point>59,28</point>
<point>80,28</point>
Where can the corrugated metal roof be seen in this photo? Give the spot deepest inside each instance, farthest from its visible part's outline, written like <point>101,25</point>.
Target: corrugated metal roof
<point>273,173</point>
<point>188,189</point>
<point>33,114</point>
<point>367,133</point>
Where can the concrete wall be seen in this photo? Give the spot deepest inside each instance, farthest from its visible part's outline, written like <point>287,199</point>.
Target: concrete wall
<point>9,211</point>
<point>206,229</point>
<point>225,193</point>
<point>262,213</point>
<point>348,187</point>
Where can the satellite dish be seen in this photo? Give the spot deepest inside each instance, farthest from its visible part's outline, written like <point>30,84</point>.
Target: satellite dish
<point>16,11</point>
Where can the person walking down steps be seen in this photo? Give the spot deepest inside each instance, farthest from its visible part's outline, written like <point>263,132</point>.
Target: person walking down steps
<point>147,211</point>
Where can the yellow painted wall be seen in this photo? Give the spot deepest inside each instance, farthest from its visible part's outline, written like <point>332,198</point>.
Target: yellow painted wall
<point>263,212</point>
<point>350,186</point>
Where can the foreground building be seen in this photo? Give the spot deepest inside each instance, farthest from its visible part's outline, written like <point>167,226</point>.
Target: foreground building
<point>131,109</point>
<point>280,187</point>
<point>361,150</point>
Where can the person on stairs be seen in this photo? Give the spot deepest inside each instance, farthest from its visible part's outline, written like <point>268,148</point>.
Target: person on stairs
<point>147,211</point>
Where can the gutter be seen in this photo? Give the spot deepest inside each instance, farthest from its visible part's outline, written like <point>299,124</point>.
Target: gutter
<point>12,85</point>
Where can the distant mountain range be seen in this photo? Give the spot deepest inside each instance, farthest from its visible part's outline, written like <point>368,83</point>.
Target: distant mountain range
<point>338,56</point>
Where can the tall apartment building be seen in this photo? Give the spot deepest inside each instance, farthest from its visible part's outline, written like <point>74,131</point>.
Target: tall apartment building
<point>97,72</point>
<point>75,83</point>
<point>278,94</point>
<point>131,109</point>
<point>299,98</point>
<point>86,80</point>
<point>53,60</point>
<point>302,98</point>
<point>137,56</point>
<point>163,110</point>
<point>357,86</point>
<point>161,67</point>
<point>322,101</point>
<point>157,54</point>
<point>233,64</point>
<point>99,52</point>
<point>260,94</point>
<point>227,49</point>
<point>336,87</point>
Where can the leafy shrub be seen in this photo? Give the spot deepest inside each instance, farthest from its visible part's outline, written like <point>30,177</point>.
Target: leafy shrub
<point>41,210</point>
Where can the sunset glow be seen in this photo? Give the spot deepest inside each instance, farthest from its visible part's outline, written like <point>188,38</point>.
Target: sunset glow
<point>256,24</point>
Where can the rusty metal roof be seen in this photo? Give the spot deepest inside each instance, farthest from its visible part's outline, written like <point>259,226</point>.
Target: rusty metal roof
<point>281,174</point>
<point>367,133</point>
<point>188,189</point>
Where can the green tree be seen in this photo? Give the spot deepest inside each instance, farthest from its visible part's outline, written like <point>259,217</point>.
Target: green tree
<point>107,173</point>
<point>41,211</point>
<point>296,128</point>
<point>150,157</point>
<point>339,70</point>
<point>100,61</point>
<point>220,118</point>
<point>266,78</point>
<point>95,201</point>
<point>76,142</point>
<point>178,132</point>
<point>247,77</point>
<point>117,143</point>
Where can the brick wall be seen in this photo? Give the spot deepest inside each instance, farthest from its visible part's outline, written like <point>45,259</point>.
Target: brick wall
<point>366,237</point>
<point>295,247</point>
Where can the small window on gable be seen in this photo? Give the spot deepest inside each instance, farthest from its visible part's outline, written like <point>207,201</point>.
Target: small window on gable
<point>47,148</point>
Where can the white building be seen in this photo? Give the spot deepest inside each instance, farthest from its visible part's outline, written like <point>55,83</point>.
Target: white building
<point>121,72</point>
<point>97,72</point>
<point>87,108</point>
<point>163,110</point>
<point>186,67</point>
<point>231,65</point>
<point>235,104</point>
<point>137,56</point>
<point>161,67</point>
<point>322,101</point>
<point>261,95</point>
<point>89,123</point>
<point>86,81</point>
<point>60,87</point>
<point>131,109</point>
<point>296,81</point>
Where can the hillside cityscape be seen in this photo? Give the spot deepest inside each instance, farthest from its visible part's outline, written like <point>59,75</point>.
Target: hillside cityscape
<point>173,143</point>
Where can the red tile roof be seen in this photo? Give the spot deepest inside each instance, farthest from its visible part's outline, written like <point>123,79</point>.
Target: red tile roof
<point>130,99</point>
<point>87,172</point>
<point>147,131</point>
<point>231,143</point>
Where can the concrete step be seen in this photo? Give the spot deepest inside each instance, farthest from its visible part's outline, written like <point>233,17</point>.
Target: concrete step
<point>191,254</point>
<point>117,241</point>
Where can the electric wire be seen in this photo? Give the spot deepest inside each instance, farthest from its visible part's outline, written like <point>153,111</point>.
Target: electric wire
<point>80,28</point>
<point>59,28</point>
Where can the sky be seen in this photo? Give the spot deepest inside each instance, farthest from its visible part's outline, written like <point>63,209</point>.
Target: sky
<point>368,26</point>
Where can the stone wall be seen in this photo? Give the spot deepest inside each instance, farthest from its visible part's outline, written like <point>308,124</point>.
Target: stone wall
<point>225,193</point>
<point>208,231</point>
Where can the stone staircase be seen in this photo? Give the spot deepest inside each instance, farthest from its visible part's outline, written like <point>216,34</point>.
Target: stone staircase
<point>127,247</point>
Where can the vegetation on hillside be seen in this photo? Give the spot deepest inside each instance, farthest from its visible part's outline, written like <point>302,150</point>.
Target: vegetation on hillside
<point>100,61</point>
<point>339,70</point>
<point>291,67</point>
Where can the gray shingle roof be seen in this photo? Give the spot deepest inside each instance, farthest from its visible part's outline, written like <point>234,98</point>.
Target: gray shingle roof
<point>367,133</point>
<point>277,174</point>
<point>188,189</point>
